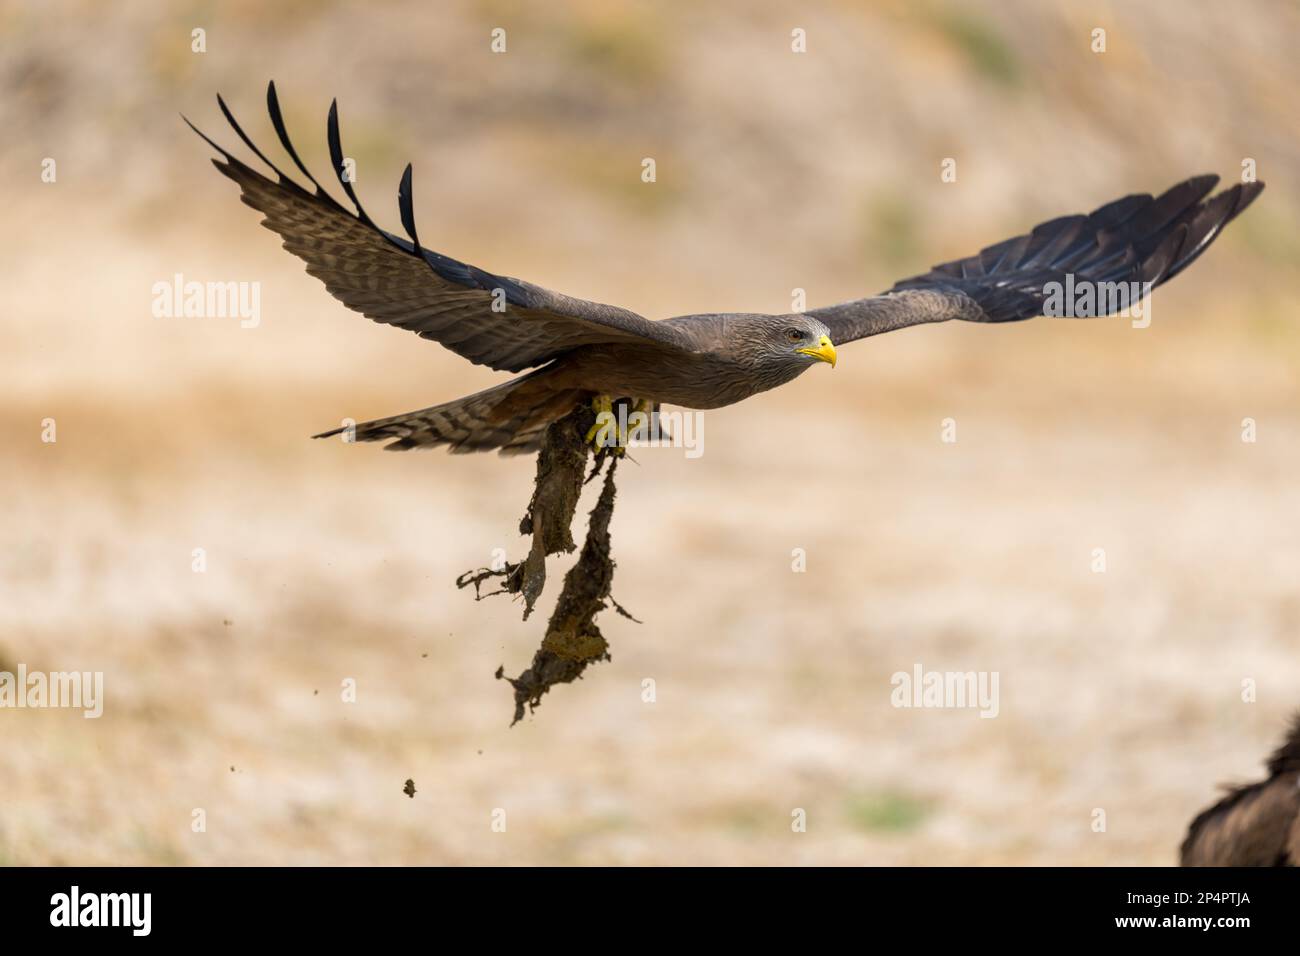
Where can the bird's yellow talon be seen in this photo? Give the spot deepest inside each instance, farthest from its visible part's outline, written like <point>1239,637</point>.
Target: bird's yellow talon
<point>597,434</point>
<point>610,433</point>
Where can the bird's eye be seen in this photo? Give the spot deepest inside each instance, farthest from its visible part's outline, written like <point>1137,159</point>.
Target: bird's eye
<point>794,335</point>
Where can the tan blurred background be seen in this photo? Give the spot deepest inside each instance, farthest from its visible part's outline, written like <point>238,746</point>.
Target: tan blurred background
<point>1119,691</point>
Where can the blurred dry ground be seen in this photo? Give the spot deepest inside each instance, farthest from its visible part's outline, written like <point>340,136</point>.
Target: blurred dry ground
<point>1120,691</point>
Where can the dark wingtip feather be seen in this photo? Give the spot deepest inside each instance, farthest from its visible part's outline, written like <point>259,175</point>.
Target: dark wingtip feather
<point>1200,184</point>
<point>234,168</point>
<point>1154,268</point>
<point>277,121</point>
<point>1117,211</point>
<point>1135,238</point>
<point>1248,193</point>
<point>230,118</point>
<point>1171,205</point>
<point>336,159</point>
<point>229,166</point>
<point>1209,220</point>
<point>406,208</point>
<point>206,138</point>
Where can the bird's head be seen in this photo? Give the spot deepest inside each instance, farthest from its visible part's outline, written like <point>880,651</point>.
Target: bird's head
<point>792,342</point>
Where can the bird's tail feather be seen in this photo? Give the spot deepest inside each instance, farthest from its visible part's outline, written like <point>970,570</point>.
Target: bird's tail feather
<point>509,418</point>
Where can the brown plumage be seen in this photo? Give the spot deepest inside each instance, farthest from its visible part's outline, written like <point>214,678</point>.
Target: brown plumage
<point>1253,825</point>
<point>577,349</point>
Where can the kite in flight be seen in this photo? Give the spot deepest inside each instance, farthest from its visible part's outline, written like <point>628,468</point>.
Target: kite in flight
<point>573,351</point>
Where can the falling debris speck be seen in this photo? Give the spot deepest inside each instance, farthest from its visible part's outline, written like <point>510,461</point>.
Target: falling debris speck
<point>409,788</point>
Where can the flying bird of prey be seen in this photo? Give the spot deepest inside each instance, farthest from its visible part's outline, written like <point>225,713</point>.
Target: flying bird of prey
<point>573,351</point>
<point>1254,825</point>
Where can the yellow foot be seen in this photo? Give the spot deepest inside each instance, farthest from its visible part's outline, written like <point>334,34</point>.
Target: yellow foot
<point>610,432</point>
<point>598,435</point>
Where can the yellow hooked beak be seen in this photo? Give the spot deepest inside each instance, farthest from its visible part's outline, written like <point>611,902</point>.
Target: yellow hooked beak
<point>824,351</point>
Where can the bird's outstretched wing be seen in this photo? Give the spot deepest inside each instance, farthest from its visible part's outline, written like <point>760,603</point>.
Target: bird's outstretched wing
<point>1137,239</point>
<point>491,320</point>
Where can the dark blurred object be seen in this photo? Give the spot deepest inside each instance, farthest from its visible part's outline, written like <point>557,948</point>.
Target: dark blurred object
<point>1257,824</point>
